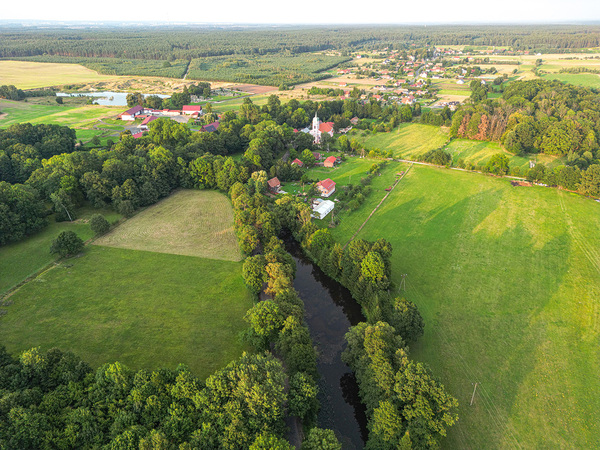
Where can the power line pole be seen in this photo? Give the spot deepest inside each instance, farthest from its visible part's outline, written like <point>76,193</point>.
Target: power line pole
<point>473,396</point>
<point>403,282</point>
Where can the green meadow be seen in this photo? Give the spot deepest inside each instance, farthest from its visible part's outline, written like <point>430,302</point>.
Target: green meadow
<point>141,308</point>
<point>21,259</point>
<point>507,280</point>
<point>409,140</point>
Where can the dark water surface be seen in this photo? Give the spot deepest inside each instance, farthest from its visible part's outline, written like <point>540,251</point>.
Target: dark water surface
<point>330,312</point>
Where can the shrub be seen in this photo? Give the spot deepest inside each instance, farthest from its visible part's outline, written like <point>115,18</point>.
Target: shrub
<point>99,224</point>
<point>67,243</point>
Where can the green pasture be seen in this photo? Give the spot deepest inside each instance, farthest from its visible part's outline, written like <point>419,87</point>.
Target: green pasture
<point>144,309</point>
<point>408,140</point>
<point>508,281</point>
<point>590,80</point>
<point>21,259</point>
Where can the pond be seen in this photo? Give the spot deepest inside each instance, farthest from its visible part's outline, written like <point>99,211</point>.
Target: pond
<point>106,98</point>
<point>330,312</point>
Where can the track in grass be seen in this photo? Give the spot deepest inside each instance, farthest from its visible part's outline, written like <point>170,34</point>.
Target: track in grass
<point>189,222</point>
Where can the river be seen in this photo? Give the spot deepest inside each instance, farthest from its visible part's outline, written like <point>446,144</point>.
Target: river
<point>330,311</point>
<point>106,98</point>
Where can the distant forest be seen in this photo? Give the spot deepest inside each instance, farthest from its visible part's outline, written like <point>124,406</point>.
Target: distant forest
<point>172,43</point>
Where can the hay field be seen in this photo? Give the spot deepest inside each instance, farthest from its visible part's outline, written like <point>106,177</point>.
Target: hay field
<point>192,223</point>
<point>31,75</point>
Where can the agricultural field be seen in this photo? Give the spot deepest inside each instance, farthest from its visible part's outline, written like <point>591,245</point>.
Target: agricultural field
<point>118,66</point>
<point>189,222</point>
<point>142,308</point>
<point>270,70</point>
<point>31,75</point>
<point>479,153</point>
<point>26,257</point>
<point>408,141</point>
<point>73,116</point>
<point>590,80</point>
<point>507,280</point>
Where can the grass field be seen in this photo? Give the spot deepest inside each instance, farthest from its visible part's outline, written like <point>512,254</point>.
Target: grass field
<point>409,140</point>
<point>193,223</point>
<point>21,259</point>
<point>144,309</point>
<point>75,117</point>
<point>508,282</point>
<point>31,75</point>
<point>591,80</point>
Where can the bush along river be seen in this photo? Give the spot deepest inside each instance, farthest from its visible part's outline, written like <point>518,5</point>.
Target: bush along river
<point>330,312</point>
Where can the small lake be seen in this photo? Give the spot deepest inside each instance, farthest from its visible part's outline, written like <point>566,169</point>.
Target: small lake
<point>106,98</point>
<point>330,312</point>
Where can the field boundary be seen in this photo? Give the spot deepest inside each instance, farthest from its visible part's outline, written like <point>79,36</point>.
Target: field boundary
<point>378,205</point>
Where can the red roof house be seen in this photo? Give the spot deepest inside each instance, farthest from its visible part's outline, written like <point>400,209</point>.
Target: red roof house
<point>138,135</point>
<point>298,162</point>
<point>317,156</point>
<point>210,127</point>
<point>132,113</point>
<point>274,185</point>
<point>146,121</point>
<point>326,187</point>
<point>326,127</point>
<point>329,162</point>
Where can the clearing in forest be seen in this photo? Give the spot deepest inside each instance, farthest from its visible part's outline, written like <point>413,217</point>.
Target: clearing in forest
<point>189,222</point>
<point>507,280</point>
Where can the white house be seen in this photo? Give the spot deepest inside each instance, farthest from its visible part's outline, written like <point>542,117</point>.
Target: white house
<point>322,209</point>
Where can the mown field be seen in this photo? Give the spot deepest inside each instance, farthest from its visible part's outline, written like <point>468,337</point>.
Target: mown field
<point>31,75</point>
<point>193,223</point>
<point>507,280</point>
<point>144,309</point>
<point>24,258</point>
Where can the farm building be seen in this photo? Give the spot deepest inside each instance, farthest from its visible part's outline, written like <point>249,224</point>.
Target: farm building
<point>298,162</point>
<point>322,208</point>
<point>274,185</point>
<point>132,113</point>
<point>191,109</point>
<point>326,187</point>
<point>330,162</point>
<point>146,121</point>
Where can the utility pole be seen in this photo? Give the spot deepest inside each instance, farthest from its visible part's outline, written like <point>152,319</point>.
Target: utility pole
<point>403,282</point>
<point>473,396</point>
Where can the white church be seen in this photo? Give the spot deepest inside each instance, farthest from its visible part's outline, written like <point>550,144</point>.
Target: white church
<point>318,128</point>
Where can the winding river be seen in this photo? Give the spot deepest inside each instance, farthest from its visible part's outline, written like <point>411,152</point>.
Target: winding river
<point>330,311</point>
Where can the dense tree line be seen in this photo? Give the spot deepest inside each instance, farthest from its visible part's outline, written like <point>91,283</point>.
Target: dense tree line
<point>170,43</point>
<point>10,92</point>
<point>54,400</point>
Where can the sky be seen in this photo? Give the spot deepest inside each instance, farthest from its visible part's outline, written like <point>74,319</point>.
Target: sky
<point>308,12</point>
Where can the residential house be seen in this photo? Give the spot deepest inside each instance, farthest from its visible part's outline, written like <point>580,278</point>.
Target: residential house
<point>330,162</point>
<point>146,121</point>
<point>298,162</point>
<point>322,208</point>
<point>317,156</point>
<point>354,120</point>
<point>274,185</point>
<point>326,187</point>
<point>210,127</point>
<point>138,135</point>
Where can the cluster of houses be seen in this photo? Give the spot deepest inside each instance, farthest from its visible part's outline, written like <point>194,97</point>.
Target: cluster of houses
<point>141,112</point>
<point>147,115</point>
<point>320,206</point>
